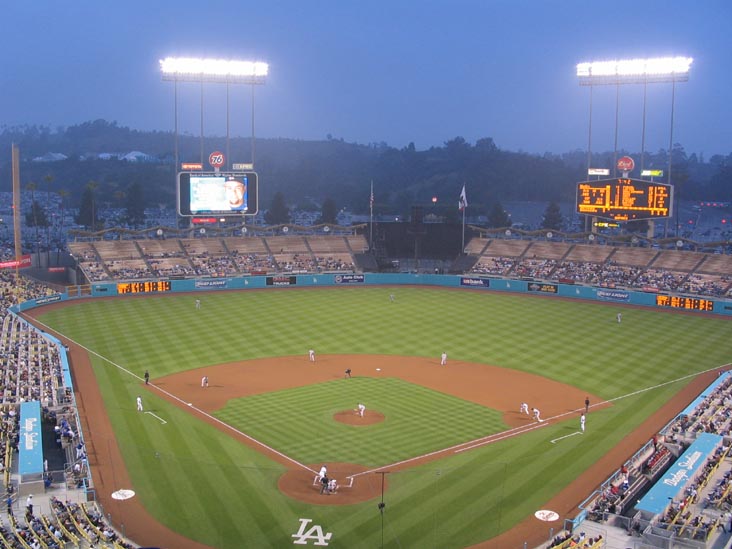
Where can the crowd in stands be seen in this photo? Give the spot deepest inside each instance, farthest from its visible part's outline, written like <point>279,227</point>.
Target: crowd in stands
<point>215,257</point>
<point>30,370</point>
<point>577,541</point>
<point>659,270</point>
<point>712,415</point>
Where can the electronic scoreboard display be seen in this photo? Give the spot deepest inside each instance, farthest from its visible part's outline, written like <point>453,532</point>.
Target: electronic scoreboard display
<point>148,287</point>
<point>690,303</point>
<point>623,199</point>
<point>219,194</point>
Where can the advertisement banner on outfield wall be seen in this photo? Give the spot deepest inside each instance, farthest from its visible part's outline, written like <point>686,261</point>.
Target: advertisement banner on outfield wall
<point>211,283</point>
<point>24,261</point>
<point>613,295</point>
<point>281,281</point>
<point>475,282</point>
<point>349,279</point>
<point>546,288</point>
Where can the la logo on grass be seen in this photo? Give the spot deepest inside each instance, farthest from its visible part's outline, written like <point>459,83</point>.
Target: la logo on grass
<point>315,533</point>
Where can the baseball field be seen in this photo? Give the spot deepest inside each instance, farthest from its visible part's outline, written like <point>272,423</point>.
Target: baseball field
<point>444,448</point>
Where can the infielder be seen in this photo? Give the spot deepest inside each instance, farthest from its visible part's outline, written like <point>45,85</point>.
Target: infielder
<point>582,422</point>
<point>537,414</point>
<point>443,359</point>
<point>204,381</point>
<point>361,409</point>
<point>311,355</point>
<point>139,404</point>
<point>524,409</point>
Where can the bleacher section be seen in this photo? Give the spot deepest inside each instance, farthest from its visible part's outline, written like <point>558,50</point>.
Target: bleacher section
<point>602,265</point>
<point>217,257</point>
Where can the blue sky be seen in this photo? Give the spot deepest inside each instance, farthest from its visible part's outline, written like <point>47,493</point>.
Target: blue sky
<point>379,71</point>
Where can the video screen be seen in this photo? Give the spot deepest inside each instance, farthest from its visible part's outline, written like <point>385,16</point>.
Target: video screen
<point>217,194</point>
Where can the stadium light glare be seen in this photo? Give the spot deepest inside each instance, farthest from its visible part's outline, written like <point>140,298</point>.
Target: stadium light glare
<point>192,69</point>
<point>629,71</point>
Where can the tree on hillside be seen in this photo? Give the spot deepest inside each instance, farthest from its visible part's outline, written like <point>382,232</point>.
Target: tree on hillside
<point>498,217</point>
<point>36,217</point>
<point>87,212</point>
<point>278,212</point>
<point>553,218</point>
<point>329,212</point>
<point>135,205</point>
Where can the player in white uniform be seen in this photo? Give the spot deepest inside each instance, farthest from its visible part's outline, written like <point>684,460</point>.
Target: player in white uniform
<point>361,409</point>
<point>582,422</point>
<point>524,408</point>
<point>198,304</point>
<point>537,414</point>
<point>311,355</point>
<point>204,381</point>
<point>443,359</point>
<point>139,404</point>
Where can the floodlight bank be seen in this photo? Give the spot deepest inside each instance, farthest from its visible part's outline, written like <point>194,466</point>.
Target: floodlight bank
<point>191,66</point>
<point>636,67</point>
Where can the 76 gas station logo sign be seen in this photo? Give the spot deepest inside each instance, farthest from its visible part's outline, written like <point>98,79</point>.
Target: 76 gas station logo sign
<point>216,159</point>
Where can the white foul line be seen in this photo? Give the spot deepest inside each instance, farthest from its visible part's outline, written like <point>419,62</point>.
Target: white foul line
<point>177,399</point>
<point>565,436</point>
<point>161,419</point>
<point>457,448</point>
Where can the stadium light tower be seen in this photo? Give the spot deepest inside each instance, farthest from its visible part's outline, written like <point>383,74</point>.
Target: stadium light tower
<point>635,71</point>
<point>219,71</point>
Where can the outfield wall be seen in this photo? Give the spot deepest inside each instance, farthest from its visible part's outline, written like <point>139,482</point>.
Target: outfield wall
<point>658,300</point>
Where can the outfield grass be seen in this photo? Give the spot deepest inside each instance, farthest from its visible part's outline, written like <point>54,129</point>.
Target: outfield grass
<point>202,483</point>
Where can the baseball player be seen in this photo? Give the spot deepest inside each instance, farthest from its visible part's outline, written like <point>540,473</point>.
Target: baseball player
<point>322,473</point>
<point>582,422</point>
<point>620,317</point>
<point>139,404</point>
<point>348,373</point>
<point>311,355</point>
<point>443,359</point>
<point>361,409</point>
<point>204,381</point>
<point>198,304</point>
<point>537,414</point>
<point>524,409</point>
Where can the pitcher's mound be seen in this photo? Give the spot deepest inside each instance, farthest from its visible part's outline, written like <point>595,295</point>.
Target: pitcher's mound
<point>351,417</point>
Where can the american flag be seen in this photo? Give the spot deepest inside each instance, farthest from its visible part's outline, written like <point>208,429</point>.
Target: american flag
<point>463,203</point>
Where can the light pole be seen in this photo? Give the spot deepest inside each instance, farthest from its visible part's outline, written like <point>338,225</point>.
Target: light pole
<point>635,71</point>
<point>216,71</point>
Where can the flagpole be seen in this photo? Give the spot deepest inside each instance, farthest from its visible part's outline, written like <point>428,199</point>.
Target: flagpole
<point>462,250</point>
<point>371,217</point>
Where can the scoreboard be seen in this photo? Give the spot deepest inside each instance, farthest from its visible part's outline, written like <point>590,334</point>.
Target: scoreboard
<point>679,302</point>
<point>623,199</point>
<point>147,287</point>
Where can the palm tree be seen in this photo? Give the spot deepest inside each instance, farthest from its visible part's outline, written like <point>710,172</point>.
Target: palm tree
<point>63,194</point>
<point>31,186</point>
<point>92,186</point>
<point>48,179</point>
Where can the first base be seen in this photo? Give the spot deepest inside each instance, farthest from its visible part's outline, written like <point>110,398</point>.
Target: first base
<point>190,404</point>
